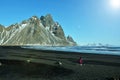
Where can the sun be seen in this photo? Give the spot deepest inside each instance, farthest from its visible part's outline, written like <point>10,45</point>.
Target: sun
<point>115,3</point>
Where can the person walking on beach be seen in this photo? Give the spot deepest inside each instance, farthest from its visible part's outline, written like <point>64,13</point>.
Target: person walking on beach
<point>80,61</point>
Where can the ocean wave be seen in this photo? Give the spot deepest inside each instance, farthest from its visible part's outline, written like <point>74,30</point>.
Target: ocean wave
<point>83,49</point>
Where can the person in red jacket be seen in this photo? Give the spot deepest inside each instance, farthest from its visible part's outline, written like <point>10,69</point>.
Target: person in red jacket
<point>80,61</point>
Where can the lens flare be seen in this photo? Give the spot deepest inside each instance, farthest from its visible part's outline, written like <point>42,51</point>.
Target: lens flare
<point>115,3</point>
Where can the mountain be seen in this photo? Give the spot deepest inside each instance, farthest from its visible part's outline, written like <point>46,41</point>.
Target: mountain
<point>42,31</point>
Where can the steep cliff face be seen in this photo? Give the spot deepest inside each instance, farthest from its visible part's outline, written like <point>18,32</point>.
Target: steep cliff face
<point>54,27</point>
<point>42,31</point>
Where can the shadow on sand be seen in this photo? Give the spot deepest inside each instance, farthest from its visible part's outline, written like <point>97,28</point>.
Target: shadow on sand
<point>95,62</point>
<point>33,70</point>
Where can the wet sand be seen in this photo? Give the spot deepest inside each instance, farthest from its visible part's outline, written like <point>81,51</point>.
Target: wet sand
<point>27,64</point>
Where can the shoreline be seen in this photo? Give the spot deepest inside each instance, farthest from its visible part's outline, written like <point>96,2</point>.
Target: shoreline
<point>48,50</point>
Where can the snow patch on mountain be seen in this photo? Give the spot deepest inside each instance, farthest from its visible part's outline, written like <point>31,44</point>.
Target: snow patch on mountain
<point>42,31</point>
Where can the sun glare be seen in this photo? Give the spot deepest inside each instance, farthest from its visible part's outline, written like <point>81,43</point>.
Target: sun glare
<point>115,3</point>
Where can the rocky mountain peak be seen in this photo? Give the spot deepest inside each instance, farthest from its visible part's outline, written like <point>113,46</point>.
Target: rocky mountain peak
<point>13,26</point>
<point>47,20</point>
<point>35,31</point>
<point>69,38</point>
<point>1,27</point>
<point>33,20</point>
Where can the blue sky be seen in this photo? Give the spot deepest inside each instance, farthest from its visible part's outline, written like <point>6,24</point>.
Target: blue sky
<point>87,21</point>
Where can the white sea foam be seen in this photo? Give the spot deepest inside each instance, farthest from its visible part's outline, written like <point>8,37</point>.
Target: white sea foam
<point>83,49</point>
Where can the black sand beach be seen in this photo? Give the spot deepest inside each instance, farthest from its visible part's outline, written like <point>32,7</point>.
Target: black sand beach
<point>26,64</point>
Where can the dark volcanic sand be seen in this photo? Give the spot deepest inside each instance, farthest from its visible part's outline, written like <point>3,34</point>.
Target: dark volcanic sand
<point>26,64</point>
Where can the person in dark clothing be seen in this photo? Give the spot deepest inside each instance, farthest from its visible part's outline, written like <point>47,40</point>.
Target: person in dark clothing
<point>80,61</point>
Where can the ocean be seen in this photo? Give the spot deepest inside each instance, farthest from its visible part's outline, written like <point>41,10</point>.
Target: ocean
<point>82,49</point>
